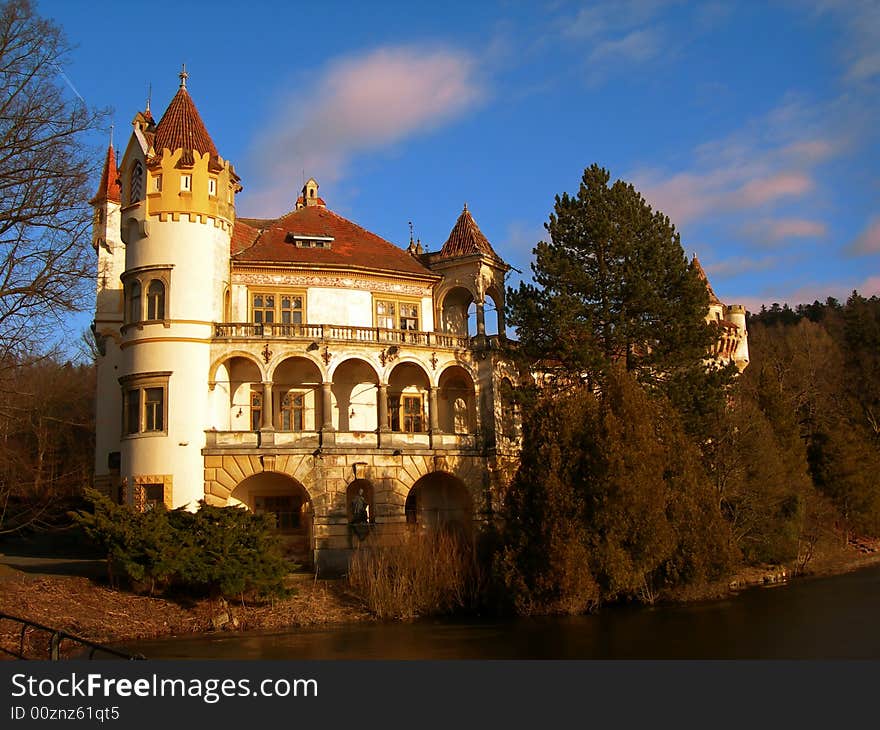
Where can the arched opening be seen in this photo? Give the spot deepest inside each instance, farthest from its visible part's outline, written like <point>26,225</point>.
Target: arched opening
<point>457,312</point>
<point>287,505</point>
<point>156,299</point>
<point>354,396</point>
<point>134,302</point>
<point>408,387</point>
<point>136,183</point>
<point>494,305</point>
<point>296,396</point>
<point>440,501</point>
<point>456,402</point>
<point>237,398</point>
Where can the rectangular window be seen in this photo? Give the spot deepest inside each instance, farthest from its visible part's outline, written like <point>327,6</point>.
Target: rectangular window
<point>145,403</point>
<point>397,314</point>
<point>256,410</point>
<point>132,411</point>
<point>186,183</point>
<point>293,412</point>
<point>285,510</point>
<point>409,316</point>
<point>157,183</point>
<point>154,495</point>
<point>212,186</point>
<point>263,308</point>
<point>394,412</point>
<point>278,307</point>
<point>386,316</point>
<point>411,407</point>
<point>291,309</point>
<point>154,409</point>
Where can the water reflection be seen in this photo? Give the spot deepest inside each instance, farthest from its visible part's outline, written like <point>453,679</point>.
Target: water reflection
<point>825,618</point>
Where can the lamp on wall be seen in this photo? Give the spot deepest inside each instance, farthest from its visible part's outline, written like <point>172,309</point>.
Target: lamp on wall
<point>239,412</point>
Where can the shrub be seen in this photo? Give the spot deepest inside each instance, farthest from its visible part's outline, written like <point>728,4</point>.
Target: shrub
<point>225,551</point>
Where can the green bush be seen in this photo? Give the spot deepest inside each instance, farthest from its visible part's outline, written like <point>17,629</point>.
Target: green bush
<point>225,551</point>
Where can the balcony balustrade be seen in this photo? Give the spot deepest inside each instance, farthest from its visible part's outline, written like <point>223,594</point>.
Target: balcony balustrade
<point>336,332</point>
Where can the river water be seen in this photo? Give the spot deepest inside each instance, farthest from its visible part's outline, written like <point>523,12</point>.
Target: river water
<point>819,618</point>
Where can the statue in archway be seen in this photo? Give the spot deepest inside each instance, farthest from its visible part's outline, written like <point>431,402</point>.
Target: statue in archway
<point>359,509</point>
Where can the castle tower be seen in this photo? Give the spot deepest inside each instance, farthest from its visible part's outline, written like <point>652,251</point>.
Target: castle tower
<point>108,319</point>
<point>178,209</point>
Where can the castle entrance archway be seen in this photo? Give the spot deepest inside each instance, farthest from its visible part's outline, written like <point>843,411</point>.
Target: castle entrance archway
<point>287,504</point>
<point>440,501</point>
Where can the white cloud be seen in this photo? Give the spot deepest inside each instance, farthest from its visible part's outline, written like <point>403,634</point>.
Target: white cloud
<point>355,105</point>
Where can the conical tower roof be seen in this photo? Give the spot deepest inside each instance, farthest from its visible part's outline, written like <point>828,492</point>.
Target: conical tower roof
<point>181,128</point>
<point>109,188</point>
<point>713,299</point>
<point>466,239</point>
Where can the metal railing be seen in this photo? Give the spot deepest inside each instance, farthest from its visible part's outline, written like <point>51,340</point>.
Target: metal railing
<point>345,333</point>
<point>55,639</point>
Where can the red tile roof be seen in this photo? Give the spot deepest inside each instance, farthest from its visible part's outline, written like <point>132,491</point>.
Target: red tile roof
<point>181,127</point>
<point>466,239</point>
<point>351,246</point>
<point>109,187</point>
<point>713,299</point>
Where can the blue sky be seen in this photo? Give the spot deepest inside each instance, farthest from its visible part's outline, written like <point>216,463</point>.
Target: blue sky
<point>752,125</point>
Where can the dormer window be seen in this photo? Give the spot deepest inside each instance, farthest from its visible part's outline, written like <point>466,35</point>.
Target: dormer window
<point>186,183</point>
<point>307,241</point>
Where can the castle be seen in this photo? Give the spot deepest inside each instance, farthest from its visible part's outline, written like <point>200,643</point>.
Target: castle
<point>301,367</point>
<point>289,365</point>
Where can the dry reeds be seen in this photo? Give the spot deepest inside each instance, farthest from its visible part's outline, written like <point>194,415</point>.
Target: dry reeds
<point>422,574</point>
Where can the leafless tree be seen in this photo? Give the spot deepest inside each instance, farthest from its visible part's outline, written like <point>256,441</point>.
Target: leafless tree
<point>46,170</point>
<point>46,173</point>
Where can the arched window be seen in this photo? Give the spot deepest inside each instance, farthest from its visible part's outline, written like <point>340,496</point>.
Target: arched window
<point>136,184</point>
<point>134,302</point>
<point>156,300</point>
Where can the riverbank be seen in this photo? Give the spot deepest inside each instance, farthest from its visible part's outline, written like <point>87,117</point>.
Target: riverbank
<point>93,611</point>
<point>88,609</point>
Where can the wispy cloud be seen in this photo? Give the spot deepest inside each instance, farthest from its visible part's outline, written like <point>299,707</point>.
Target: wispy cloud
<point>868,241</point>
<point>781,229</point>
<point>355,105</point>
<point>861,22</point>
<point>771,160</point>
<point>741,265</point>
<point>616,34</point>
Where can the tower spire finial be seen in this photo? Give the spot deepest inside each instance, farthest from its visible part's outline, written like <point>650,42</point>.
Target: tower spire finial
<point>465,207</point>
<point>111,134</point>
<point>149,96</point>
<point>183,76</point>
